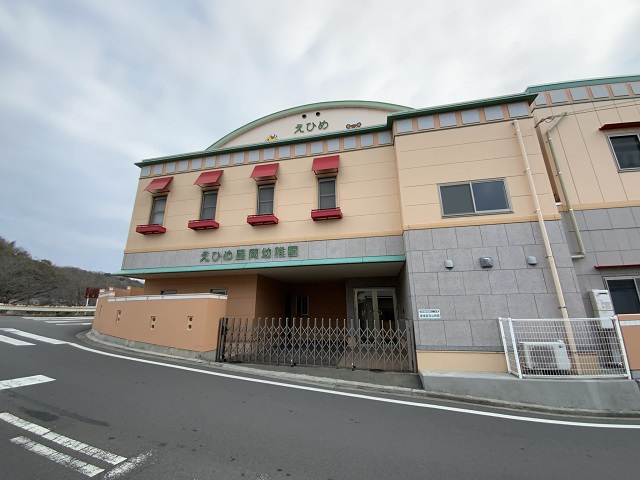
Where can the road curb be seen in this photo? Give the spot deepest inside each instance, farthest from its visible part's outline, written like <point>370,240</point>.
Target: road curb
<point>86,337</point>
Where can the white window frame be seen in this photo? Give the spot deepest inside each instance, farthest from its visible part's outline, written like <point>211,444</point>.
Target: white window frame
<point>613,150</point>
<point>153,209</point>
<point>262,188</point>
<point>333,180</point>
<point>476,211</point>
<point>635,278</point>
<point>206,193</point>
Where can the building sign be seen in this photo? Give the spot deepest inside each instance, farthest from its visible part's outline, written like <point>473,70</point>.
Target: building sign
<point>264,254</point>
<point>311,126</point>
<point>428,313</point>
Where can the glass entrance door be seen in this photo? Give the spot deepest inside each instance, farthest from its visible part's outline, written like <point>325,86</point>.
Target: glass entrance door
<point>375,308</point>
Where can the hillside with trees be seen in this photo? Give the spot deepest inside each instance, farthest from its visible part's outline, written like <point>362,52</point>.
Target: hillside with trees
<point>24,279</point>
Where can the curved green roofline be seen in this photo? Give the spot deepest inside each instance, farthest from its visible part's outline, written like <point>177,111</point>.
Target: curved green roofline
<point>310,106</point>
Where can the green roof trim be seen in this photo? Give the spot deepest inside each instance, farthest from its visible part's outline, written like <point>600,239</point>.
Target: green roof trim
<point>485,102</point>
<point>582,83</point>
<point>272,144</point>
<point>303,108</point>
<point>242,266</point>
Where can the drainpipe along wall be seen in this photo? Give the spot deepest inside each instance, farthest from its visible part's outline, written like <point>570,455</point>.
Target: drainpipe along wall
<point>581,253</point>
<point>545,239</point>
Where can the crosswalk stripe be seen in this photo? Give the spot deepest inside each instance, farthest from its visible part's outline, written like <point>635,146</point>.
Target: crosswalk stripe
<point>66,442</point>
<point>33,336</point>
<point>24,381</point>
<point>58,457</point>
<point>14,341</point>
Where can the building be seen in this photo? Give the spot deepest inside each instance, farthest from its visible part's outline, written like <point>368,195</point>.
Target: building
<point>365,213</point>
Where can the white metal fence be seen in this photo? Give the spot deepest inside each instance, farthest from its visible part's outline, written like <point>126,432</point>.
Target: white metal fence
<point>564,348</point>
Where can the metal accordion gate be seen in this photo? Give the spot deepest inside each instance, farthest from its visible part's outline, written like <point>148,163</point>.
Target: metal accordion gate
<point>318,342</point>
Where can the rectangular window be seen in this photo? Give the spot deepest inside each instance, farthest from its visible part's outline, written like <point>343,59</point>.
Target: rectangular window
<point>157,210</point>
<point>168,292</point>
<point>327,192</point>
<point>209,201</point>
<point>302,305</point>
<point>625,294</point>
<point>218,291</point>
<point>626,149</point>
<point>265,199</point>
<point>474,198</point>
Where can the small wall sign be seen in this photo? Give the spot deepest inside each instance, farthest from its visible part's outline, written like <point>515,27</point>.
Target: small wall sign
<point>428,313</point>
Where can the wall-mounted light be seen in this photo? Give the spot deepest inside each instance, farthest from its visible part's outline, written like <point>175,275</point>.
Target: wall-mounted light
<point>532,260</point>
<point>448,263</point>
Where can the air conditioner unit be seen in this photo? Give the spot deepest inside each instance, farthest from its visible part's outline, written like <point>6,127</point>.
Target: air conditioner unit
<point>602,307</point>
<point>545,355</point>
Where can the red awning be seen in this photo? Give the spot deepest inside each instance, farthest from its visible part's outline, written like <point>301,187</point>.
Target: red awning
<point>326,164</point>
<point>207,179</point>
<point>265,172</point>
<point>613,126</point>
<point>158,185</point>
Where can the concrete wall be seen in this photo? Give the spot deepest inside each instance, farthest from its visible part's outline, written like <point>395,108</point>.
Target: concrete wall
<point>184,322</point>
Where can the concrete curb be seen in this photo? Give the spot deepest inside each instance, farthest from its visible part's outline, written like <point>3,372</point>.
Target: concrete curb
<point>89,338</point>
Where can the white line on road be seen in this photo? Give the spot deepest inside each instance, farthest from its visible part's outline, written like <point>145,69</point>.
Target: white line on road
<point>14,341</point>
<point>127,466</point>
<point>34,336</point>
<point>369,397</point>
<point>24,381</point>
<point>66,442</point>
<point>58,457</point>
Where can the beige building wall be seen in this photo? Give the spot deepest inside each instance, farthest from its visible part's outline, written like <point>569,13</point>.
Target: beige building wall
<point>185,323</point>
<point>367,194</point>
<point>270,298</point>
<point>461,361</point>
<point>241,290</point>
<point>285,127</point>
<point>480,152</point>
<point>585,156</point>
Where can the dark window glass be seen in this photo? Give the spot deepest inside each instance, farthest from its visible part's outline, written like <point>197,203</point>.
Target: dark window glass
<point>490,196</point>
<point>627,150</point>
<point>218,291</point>
<point>265,199</point>
<point>624,295</point>
<point>157,210</point>
<point>302,305</point>
<point>209,200</point>
<point>456,199</point>
<point>327,193</point>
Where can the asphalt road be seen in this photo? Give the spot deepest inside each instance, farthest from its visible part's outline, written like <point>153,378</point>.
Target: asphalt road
<point>142,420</point>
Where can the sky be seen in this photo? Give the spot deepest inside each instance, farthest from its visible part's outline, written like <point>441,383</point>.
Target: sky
<point>88,87</point>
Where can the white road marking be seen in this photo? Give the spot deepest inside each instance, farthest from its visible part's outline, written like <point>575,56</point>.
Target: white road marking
<point>24,381</point>
<point>127,466</point>
<point>34,336</point>
<point>14,341</point>
<point>369,397</point>
<point>58,457</point>
<point>66,442</point>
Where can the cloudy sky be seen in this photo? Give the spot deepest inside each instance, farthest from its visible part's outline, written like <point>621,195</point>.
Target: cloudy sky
<point>88,87</point>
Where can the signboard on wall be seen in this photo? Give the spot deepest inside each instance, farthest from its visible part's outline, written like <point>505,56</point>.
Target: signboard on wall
<point>428,313</point>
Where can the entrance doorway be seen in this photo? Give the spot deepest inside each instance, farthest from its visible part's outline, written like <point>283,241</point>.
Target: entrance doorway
<point>376,308</point>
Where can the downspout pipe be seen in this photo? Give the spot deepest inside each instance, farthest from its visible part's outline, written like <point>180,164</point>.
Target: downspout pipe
<point>547,244</point>
<point>581,251</point>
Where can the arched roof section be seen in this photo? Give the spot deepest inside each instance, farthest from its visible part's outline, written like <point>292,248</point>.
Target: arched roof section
<point>346,109</point>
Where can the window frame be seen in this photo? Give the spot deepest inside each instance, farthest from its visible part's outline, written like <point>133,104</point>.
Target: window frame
<point>613,150</point>
<point>206,193</point>
<point>332,179</point>
<point>470,183</point>
<point>153,213</point>
<point>299,305</point>
<point>636,281</point>
<point>262,188</point>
